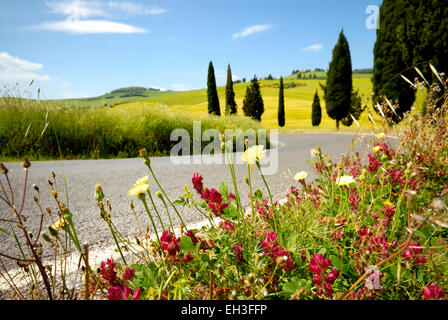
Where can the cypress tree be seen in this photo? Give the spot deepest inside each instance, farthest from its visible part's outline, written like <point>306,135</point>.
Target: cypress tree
<point>388,59</point>
<point>316,111</point>
<point>339,81</point>
<point>355,109</point>
<point>281,105</point>
<point>230,94</point>
<point>212,93</point>
<point>253,105</point>
<point>411,33</point>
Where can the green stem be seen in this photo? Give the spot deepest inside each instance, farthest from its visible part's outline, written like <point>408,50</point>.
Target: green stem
<point>143,199</point>
<point>270,195</point>
<point>270,280</point>
<point>206,216</point>
<point>116,242</point>
<point>232,172</point>
<point>250,191</point>
<point>168,213</point>
<point>155,209</point>
<point>163,192</point>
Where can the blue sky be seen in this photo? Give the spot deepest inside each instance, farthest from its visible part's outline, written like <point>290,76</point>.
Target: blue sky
<point>76,49</point>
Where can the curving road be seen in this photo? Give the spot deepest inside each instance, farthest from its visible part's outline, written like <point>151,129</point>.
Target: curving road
<point>118,176</point>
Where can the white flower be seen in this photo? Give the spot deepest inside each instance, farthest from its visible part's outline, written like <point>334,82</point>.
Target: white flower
<point>301,175</point>
<point>345,180</point>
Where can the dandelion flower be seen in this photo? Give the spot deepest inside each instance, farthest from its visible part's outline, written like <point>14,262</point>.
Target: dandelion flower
<point>253,154</point>
<point>138,190</point>
<point>140,187</point>
<point>345,180</point>
<point>301,175</point>
<point>380,135</point>
<point>143,180</point>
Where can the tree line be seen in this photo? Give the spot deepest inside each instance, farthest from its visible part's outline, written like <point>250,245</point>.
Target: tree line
<point>343,103</point>
<point>411,35</point>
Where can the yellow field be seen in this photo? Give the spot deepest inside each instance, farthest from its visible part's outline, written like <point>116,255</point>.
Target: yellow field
<point>298,103</point>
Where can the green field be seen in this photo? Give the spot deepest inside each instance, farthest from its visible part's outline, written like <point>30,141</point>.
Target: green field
<point>298,102</point>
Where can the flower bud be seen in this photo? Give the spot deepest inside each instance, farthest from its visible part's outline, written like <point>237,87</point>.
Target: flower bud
<point>246,179</point>
<point>362,176</point>
<point>131,205</point>
<point>143,153</point>
<point>26,163</point>
<point>159,195</point>
<point>99,195</point>
<point>46,237</point>
<point>3,169</point>
<point>282,259</point>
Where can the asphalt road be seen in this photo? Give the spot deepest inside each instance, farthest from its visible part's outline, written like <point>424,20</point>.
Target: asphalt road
<point>118,176</point>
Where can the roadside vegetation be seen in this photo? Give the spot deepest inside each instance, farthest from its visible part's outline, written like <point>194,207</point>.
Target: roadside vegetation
<point>375,230</point>
<point>42,131</point>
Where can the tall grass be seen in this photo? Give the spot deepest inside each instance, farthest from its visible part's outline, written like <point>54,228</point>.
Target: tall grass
<point>42,131</point>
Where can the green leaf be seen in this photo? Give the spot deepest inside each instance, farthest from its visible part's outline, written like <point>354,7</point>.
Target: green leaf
<point>224,189</point>
<point>289,288</point>
<point>336,261</point>
<point>186,244</point>
<point>322,251</point>
<point>145,275</point>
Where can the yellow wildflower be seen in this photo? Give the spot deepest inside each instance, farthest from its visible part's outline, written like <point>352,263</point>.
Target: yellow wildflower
<point>143,180</point>
<point>314,153</point>
<point>380,135</point>
<point>140,187</point>
<point>138,190</point>
<point>388,203</point>
<point>301,175</point>
<point>376,149</point>
<point>345,180</point>
<point>253,154</point>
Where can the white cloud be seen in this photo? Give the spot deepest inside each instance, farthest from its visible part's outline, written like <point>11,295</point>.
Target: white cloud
<point>77,10</point>
<point>252,29</point>
<point>135,8</point>
<point>183,87</point>
<point>16,69</point>
<point>90,27</point>
<point>314,47</point>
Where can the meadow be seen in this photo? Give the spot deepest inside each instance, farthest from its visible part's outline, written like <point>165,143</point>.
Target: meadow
<point>298,101</point>
<point>116,125</point>
<point>42,131</point>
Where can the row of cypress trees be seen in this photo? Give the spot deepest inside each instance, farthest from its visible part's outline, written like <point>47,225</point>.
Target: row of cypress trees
<point>253,105</point>
<point>411,33</point>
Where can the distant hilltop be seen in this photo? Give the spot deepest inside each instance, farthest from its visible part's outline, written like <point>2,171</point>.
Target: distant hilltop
<point>133,90</point>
